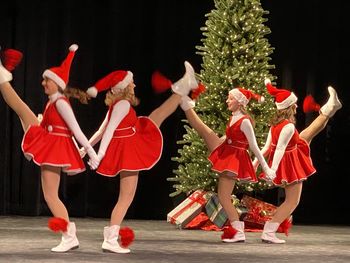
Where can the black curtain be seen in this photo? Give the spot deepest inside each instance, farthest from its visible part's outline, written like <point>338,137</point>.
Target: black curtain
<point>141,36</point>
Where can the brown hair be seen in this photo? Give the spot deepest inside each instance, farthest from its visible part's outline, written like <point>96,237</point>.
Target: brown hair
<point>120,95</point>
<point>284,114</point>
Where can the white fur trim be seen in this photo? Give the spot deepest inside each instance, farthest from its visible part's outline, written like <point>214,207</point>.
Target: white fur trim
<point>239,96</point>
<point>51,75</point>
<point>92,92</point>
<point>73,47</point>
<point>124,83</point>
<point>267,81</point>
<point>287,102</point>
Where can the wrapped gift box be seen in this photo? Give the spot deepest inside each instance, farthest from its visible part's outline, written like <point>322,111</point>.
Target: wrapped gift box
<point>215,212</point>
<point>258,212</point>
<point>189,208</point>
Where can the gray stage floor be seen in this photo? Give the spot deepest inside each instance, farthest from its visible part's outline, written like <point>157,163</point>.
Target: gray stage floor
<point>27,239</point>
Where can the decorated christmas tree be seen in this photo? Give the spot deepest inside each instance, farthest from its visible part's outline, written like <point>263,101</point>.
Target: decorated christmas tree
<point>235,53</point>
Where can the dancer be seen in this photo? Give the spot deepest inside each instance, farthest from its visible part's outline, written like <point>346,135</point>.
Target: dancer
<point>229,155</point>
<point>50,143</point>
<point>129,143</point>
<point>289,153</point>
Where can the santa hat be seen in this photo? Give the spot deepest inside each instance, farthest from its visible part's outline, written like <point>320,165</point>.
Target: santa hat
<point>117,80</point>
<point>61,74</point>
<point>283,98</point>
<point>243,96</point>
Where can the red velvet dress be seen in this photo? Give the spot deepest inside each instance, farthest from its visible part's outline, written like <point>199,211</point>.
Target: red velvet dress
<point>232,155</point>
<point>136,145</point>
<point>296,164</point>
<point>51,143</point>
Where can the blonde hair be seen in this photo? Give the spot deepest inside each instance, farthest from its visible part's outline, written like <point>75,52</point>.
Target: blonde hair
<point>120,95</point>
<point>284,114</point>
<point>243,109</point>
<point>75,93</point>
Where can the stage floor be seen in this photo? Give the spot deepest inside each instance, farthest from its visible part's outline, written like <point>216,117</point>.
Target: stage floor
<point>27,239</point>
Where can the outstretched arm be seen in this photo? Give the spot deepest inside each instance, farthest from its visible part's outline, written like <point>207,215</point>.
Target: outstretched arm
<point>120,110</point>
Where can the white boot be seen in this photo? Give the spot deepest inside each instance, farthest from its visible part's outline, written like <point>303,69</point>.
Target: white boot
<point>187,103</point>
<point>110,242</point>
<point>269,233</point>
<point>187,83</point>
<point>239,236</point>
<point>69,240</point>
<point>333,104</point>
<point>5,75</point>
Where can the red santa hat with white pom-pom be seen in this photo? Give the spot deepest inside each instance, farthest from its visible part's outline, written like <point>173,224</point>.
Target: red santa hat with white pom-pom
<point>283,98</point>
<point>243,96</point>
<point>61,74</point>
<point>117,80</point>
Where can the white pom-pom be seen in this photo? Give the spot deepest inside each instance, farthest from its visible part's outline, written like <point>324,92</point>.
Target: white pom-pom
<point>267,81</point>
<point>261,99</point>
<point>73,47</point>
<point>92,92</point>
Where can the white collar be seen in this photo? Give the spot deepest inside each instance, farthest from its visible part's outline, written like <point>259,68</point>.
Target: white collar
<point>237,113</point>
<point>55,96</point>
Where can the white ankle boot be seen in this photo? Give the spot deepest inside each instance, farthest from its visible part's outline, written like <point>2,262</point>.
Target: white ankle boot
<point>187,103</point>
<point>5,75</point>
<point>110,242</point>
<point>269,233</point>
<point>69,240</point>
<point>187,83</point>
<point>239,236</point>
<point>333,104</point>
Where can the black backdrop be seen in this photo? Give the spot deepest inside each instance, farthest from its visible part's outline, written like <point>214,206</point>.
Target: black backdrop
<point>141,36</point>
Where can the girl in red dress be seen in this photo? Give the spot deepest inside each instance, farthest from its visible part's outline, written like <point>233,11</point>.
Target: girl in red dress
<point>288,152</point>
<point>49,143</point>
<point>229,154</point>
<point>129,143</point>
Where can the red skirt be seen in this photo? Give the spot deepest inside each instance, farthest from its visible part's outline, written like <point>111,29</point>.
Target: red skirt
<point>140,150</point>
<point>295,166</point>
<point>53,150</point>
<point>226,158</point>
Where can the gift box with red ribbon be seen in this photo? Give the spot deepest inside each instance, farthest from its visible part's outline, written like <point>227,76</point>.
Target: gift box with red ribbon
<point>258,212</point>
<point>189,208</point>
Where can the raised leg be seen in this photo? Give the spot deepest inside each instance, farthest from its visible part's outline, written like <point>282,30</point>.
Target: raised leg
<point>326,112</point>
<point>166,109</point>
<point>22,110</point>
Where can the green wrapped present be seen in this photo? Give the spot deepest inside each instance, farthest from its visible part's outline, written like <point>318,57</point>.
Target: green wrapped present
<point>215,212</point>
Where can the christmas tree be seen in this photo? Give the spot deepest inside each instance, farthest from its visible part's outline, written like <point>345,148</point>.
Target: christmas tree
<point>235,52</point>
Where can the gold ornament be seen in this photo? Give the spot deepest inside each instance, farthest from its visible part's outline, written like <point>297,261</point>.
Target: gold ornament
<point>263,213</point>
